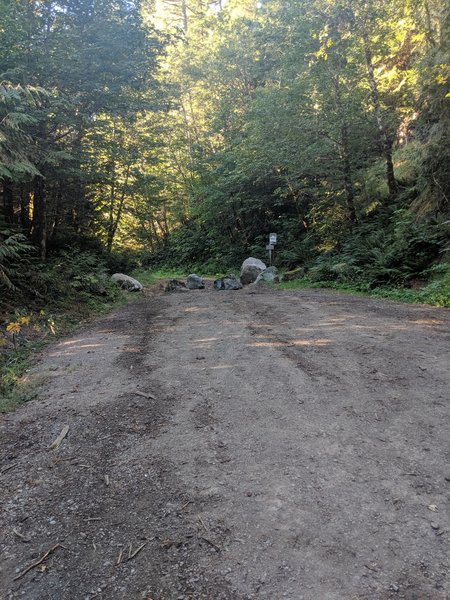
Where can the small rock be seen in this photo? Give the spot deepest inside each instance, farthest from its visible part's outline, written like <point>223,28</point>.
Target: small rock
<point>269,275</point>
<point>127,283</point>
<point>194,282</point>
<point>434,525</point>
<point>175,285</point>
<point>227,283</point>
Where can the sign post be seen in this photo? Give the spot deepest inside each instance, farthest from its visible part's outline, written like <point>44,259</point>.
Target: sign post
<point>271,245</point>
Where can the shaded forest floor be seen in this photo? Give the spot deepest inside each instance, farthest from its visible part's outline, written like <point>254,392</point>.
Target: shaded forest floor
<point>234,445</point>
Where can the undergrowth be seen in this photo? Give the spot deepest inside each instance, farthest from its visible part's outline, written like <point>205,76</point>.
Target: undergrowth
<point>47,300</point>
<point>436,293</point>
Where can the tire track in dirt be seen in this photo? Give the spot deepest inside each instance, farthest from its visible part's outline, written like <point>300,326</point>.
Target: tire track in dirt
<point>290,446</point>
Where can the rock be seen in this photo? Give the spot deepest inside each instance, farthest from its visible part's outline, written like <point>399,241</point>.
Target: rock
<point>297,273</point>
<point>434,525</point>
<point>127,283</point>
<point>269,275</point>
<point>250,269</point>
<point>230,282</point>
<point>175,285</point>
<point>194,282</point>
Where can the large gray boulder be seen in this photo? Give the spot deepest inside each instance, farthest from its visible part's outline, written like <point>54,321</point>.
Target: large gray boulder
<point>175,285</point>
<point>250,269</point>
<point>269,275</point>
<point>194,282</point>
<point>127,283</point>
<point>230,282</point>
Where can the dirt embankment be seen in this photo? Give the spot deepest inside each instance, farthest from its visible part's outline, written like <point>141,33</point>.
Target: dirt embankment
<point>234,445</point>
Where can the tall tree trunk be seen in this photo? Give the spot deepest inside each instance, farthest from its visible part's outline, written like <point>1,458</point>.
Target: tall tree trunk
<point>185,16</point>
<point>347,174</point>
<point>344,152</point>
<point>386,143</point>
<point>8,201</point>
<point>39,231</point>
<point>25,203</point>
<point>115,220</point>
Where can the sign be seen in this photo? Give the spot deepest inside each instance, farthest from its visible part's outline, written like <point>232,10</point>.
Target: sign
<point>272,238</point>
<point>270,247</point>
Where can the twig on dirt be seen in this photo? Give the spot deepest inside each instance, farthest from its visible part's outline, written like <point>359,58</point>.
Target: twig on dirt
<point>187,504</point>
<point>136,552</point>
<point>57,443</point>
<point>411,474</point>
<point>21,536</point>
<point>8,468</point>
<point>374,569</point>
<point>119,558</point>
<point>144,395</point>
<point>38,562</point>
<point>130,548</point>
<point>107,479</point>
<point>203,523</point>
<point>215,546</point>
<point>93,519</point>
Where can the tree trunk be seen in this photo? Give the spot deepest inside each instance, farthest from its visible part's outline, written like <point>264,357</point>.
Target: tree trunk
<point>25,202</point>
<point>347,174</point>
<point>114,221</point>
<point>344,153</point>
<point>39,231</point>
<point>386,143</point>
<point>185,17</point>
<point>8,201</point>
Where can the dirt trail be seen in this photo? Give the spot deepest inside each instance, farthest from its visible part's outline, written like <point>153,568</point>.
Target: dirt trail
<point>282,445</point>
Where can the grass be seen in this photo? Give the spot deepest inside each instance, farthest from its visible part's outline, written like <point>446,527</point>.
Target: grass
<point>435,293</point>
<point>147,277</point>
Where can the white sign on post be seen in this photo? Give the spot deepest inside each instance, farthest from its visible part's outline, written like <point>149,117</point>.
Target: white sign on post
<point>272,238</point>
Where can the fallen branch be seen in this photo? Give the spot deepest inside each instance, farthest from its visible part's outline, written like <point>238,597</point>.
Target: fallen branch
<point>144,395</point>
<point>8,468</point>
<point>21,536</point>
<point>215,546</point>
<point>38,562</point>
<point>57,443</point>
<point>136,552</point>
<point>203,523</point>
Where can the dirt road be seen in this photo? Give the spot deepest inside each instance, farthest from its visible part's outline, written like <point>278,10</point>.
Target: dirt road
<point>234,445</point>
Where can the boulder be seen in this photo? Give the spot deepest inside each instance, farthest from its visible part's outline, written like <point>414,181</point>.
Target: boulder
<point>194,282</point>
<point>250,269</point>
<point>127,283</point>
<point>230,282</point>
<point>269,275</point>
<point>175,285</point>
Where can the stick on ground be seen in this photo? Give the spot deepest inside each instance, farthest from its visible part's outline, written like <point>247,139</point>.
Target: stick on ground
<point>57,443</point>
<point>144,395</point>
<point>38,562</point>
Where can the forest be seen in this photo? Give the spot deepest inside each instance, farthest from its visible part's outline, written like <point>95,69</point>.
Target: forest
<point>177,134</point>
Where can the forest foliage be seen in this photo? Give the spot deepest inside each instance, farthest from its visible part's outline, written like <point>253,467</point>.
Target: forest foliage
<point>179,133</point>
